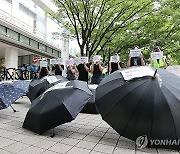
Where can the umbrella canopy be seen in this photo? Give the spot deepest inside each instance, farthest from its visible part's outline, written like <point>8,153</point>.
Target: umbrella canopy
<point>21,84</point>
<point>9,94</point>
<point>57,105</point>
<point>37,87</point>
<point>142,106</point>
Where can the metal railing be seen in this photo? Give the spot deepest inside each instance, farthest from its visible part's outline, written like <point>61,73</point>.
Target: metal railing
<point>17,74</point>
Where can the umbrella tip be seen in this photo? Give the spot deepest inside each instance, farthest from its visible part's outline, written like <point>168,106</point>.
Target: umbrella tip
<point>154,76</point>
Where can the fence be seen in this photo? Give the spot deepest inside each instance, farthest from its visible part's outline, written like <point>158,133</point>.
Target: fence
<point>16,74</point>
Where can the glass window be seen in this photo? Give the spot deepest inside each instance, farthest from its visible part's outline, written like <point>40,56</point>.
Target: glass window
<point>34,43</point>
<point>49,50</point>
<point>42,47</point>
<point>10,1</point>
<point>56,53</point>
<point>12,34</point>
<point>24,39</point>
<point>2,30</point>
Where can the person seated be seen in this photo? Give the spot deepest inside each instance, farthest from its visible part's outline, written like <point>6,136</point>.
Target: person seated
<point>136,61</point>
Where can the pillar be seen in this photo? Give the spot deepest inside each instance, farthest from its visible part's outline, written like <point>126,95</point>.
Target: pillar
<point>11,58</point>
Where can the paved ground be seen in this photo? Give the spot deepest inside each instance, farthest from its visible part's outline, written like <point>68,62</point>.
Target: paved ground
<point>87,134</point>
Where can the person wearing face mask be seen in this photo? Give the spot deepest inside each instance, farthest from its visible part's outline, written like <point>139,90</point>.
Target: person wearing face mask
<point>97,69</point>
<point>159,63</point>
<point>136,61</point>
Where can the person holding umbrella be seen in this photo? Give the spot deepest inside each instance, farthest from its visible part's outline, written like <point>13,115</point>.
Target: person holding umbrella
<point>96,68</point>
<point>43,70</point>
<point>159,63</point>
<point>136,61</point>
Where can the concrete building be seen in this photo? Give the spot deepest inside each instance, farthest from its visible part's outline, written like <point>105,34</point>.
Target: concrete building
<point>26,32</point>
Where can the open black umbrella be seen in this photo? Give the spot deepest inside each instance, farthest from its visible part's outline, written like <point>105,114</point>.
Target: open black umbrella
<point>9,93</point>
<point>90,106</point>
<point>57,105</point>
<point>143,106</point>
<point>37,87</point>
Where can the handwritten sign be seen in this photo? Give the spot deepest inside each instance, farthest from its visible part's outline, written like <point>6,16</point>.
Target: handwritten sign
<point>135,52</point>
<point>77,60</point>
<point>96,58</point>
<point>137,72</point>
<point>114,59</point>
<point>51,79</point>
<point>52,61</point>
<point>156,55</point>
<point>84,59</point>
<point>59,61</point>
<point>69,62</point>
<point>43,63</point>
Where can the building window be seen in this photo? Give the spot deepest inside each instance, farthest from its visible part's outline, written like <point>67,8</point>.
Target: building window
<point>49,50</point>
<point>12,34</point>
<point>2,30</point>
<point>24,39</point>
<point>56,53</point>
<point>9,1</point>
<point>42,47</point>
<point>34,44</point>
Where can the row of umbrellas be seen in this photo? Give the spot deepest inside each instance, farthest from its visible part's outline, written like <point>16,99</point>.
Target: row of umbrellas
<point>143,105</point>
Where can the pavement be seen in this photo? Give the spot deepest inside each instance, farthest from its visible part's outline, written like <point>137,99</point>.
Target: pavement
<point>88,133</point>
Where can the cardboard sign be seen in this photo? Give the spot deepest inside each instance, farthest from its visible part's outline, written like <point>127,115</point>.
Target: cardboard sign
<point>84,59</point>
<point>156,55</point>
<point>69,62</point>
<point>96,58</point>
<point>43,63</point>
<point>137,72</point>
<point>52,61</point>
<point>114,59</point>
<point>59,61</point>
<point>77,60</point>
<point>135,52</point>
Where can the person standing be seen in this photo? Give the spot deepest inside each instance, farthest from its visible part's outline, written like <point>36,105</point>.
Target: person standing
<point>114,66</point>
<point>33,70</point>
<point>71,72</point>
<point>159,63</point>
<point>136,61</point>
<point>24,72</point>
<point>58,68</point>
<point>97,69</point>
<point>83,70</point>
<point>43,71</point>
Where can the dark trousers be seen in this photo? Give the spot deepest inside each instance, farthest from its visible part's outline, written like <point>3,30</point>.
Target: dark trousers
<point>96,80</point>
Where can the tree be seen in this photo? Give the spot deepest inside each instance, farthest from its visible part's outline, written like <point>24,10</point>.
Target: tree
<point>95,22</point>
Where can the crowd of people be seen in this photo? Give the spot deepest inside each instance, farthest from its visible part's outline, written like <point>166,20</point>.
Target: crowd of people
<point>82,70</point>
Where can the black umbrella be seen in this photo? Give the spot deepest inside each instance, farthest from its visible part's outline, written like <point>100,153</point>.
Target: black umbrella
<point>37,87</point>
<point>57,105</point>
<point>9,93</point>
<point>144,106</point>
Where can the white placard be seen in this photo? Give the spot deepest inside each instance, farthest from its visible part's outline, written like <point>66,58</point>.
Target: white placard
<point>156,55</point>
<point>96,58</point>
<point>84,59</point>
<point>114,58</point>
<point>52,61</point>
<point>69,62</point>
<point>51,79</point>
<point>135,52</point>
<point>43,63</point>
<point>59,61</point>
<point>77,60</point>
<point>137,72</point>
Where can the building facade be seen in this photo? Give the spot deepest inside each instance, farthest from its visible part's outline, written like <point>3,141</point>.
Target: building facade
<point>26,31</point>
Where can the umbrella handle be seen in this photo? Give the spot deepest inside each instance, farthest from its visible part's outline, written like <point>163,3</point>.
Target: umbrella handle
<point>154,76</point>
